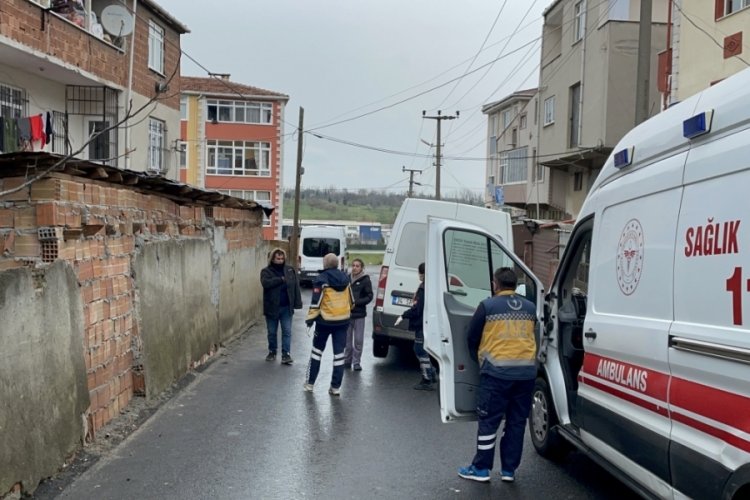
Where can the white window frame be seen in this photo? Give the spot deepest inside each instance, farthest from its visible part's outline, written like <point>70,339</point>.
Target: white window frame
<point>729,9</point>
<point>523,121</point>
<point>183,108</point>
<point>155,47</point>
<point>507,118</point>
<point>515,165</point>
<point>12,100</point>
<point>255,195</point>
<point>579,17</point>
<point>182,154</point>
<point>549,111</point>
<point>227,111</point>
<point>237,154</point>
<point>101,139</point>
<point>157,140</point>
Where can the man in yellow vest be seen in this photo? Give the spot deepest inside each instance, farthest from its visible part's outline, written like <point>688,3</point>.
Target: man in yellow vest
<point>501,338</point>
<point>330,310</point>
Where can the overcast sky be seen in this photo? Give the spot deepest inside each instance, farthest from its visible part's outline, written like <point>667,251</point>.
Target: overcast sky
<point>342,59</point>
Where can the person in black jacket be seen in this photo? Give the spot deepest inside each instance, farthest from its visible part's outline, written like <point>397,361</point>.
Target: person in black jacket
<point>355,335</point>
<point>414,315</point>
<point>281,296</point>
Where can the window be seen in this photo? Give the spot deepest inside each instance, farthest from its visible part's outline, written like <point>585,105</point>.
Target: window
<point>183,108</point>
<point>156,141</point>
<point>98,140</point>
<point>319,247</point>
<point>579,20</point>
<point>575,115</point>
<point>514,165</point>
<point>577,181</point>
<point>735,5</point>
<point>507,118</point>
<point>182,149</point>
<point>522,121</point>
<point>514,136</point>
<point>240,112</point>
<point>537,169</point>
<point>549,111</point>
<point>12,102</point>
<point>411,245</point>
<point>470,261</point>
<point>239,158</point>
<point>264,196</point>
<point>156,47</point>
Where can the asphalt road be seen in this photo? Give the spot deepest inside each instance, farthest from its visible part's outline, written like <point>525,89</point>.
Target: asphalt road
<point>246,429</point>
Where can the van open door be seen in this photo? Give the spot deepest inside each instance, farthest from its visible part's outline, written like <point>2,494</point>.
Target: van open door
<point>460,261</point>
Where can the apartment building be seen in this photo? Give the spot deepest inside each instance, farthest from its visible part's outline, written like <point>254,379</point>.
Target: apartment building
<point>587,89</point>
<point>706,44</point>
<point>514,177</point>
<point>232,141</point>
<point>100,77</point>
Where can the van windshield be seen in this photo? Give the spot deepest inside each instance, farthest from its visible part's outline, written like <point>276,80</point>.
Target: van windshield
<point>318,247</point>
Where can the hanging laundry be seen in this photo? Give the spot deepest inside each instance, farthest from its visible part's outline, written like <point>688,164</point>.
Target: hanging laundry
<point>24,128</point>
<point>10,135</point>
<point>37,130</point>
<point>48,129</point>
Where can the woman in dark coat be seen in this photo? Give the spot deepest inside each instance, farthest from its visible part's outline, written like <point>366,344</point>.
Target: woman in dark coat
<point>281,296</point>
<point>355,336</point>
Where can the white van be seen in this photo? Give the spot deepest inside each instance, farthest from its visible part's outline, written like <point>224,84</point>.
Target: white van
<point>644,362</point>
<point>406,250</point>
<point>314,243</point>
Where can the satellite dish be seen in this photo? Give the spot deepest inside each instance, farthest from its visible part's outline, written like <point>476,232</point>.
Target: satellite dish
<point>117,21</point>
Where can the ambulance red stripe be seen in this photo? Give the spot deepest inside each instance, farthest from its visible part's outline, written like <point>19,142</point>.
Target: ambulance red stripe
<point>718,405</point>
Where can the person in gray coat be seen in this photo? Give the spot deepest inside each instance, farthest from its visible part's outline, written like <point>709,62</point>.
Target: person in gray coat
<point>281,296</point>
<point>355,336</point>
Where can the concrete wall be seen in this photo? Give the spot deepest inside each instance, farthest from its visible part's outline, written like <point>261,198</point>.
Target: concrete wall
<point>172,278</point>
<point>42,373</point>
<point>240,293</point>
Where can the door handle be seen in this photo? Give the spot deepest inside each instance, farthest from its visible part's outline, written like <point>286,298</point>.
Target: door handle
<point>590,335</point>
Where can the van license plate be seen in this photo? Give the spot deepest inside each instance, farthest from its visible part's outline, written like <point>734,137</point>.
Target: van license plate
<point>402,301</point>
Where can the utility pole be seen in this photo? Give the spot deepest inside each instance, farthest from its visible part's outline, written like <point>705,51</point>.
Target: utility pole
<point>644,64</point>
<point>439,118</point>
<point>294,241</point>
<point>411,179</point>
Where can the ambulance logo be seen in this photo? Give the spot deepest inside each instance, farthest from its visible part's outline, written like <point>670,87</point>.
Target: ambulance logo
<point>630,257</point>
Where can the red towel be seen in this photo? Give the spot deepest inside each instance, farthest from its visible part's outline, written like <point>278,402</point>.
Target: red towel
<point>37,129</point>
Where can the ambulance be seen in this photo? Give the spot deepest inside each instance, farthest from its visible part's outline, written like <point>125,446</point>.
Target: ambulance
<point>644,334</point>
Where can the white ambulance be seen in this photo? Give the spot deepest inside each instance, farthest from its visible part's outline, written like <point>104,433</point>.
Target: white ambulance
<point>644,362</point>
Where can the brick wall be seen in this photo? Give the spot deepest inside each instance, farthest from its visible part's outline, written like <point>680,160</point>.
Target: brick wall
<point>28,24</point>
<point>97,228</point>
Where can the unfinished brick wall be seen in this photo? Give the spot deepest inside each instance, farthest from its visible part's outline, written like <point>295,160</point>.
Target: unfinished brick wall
<point>97,227</point>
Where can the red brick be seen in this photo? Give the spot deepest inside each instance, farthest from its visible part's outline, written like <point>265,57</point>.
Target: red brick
<point>6,217</point>
<point>25,218</point>
<point>11,183</point>
<point>27,245</point>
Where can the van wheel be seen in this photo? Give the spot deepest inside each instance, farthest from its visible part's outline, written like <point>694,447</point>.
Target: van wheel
<point>379,348</point>
<point>542,422</point>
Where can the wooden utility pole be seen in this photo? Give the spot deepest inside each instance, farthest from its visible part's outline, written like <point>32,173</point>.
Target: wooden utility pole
<point>439,118</point>
<point>643,72</point>
<point>411,180</point>
<point>294,241</point>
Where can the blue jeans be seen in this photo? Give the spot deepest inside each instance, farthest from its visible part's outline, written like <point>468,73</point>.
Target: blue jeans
<point>285,318</point>
<point>338,337</point>
<point>498,398</point>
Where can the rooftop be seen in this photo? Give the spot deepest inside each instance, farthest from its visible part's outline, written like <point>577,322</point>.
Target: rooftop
<point>223,86</point>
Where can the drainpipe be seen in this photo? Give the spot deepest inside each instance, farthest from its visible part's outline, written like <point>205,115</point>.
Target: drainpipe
<point>585,12</point>
<point>129,95</point>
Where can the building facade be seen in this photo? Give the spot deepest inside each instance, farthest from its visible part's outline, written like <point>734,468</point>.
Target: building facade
<point>587,89</point>
<point>99,76</point>
<point>514,178</point>
<point>707,43</point>
<point>232,142</point>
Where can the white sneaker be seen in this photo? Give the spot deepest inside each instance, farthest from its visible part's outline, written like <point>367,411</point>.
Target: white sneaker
<point>334,391</point>
<point>308,387</point>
